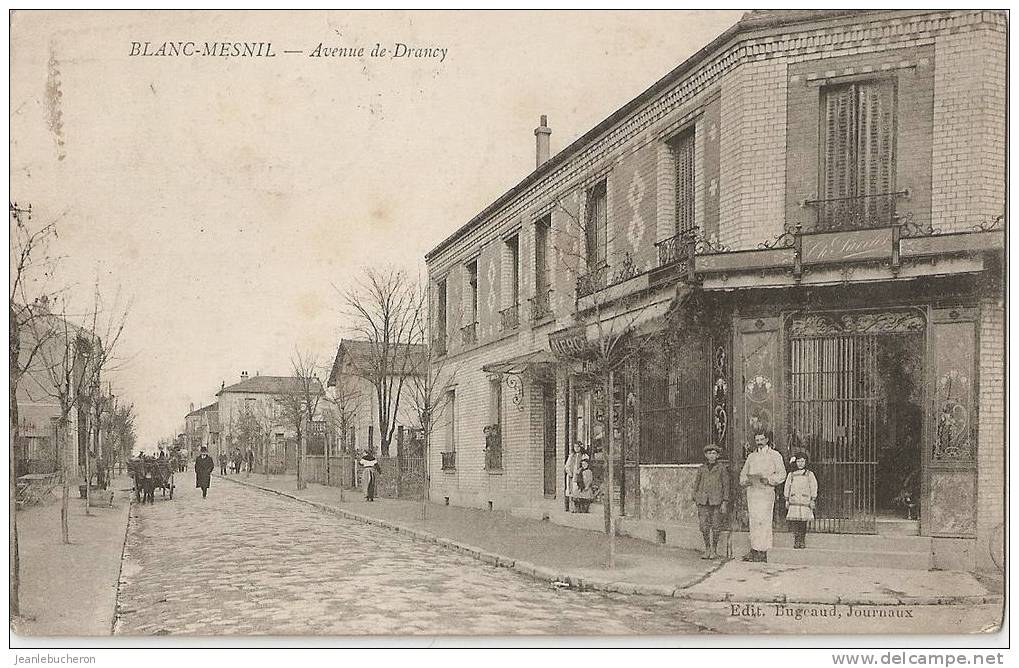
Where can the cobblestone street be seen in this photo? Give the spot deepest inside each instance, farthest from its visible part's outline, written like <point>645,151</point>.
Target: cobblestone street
<point>246,562</point>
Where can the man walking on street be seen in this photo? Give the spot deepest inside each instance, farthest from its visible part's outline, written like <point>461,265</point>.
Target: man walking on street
<point>250,457</point>
<point>222,463</point>
<point>203,471</point>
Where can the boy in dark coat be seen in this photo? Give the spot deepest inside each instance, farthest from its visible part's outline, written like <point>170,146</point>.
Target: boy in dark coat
<point>203,471</point>
<point>711,494</point>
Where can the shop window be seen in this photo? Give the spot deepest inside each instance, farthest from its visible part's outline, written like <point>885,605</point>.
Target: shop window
<point>676,404</point>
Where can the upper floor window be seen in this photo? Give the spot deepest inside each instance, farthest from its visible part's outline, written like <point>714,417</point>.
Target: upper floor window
<point>440,324</point>
<point>596,226</point>
<point>858,155</point>
<point>542,251</point>
<point>513,256</point>
<point>683,155</point>
<point>472,291</point>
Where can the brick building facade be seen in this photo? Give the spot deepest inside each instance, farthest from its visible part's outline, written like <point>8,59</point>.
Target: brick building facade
<point>810,211</point>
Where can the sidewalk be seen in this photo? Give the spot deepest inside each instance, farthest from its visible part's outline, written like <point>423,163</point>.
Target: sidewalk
<point>71,590</point>
<point>577,557</point>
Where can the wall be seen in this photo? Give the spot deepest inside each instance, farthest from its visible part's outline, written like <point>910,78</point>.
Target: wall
<point>665,493</point>
<point>969,125</point>
<point>991,456</point>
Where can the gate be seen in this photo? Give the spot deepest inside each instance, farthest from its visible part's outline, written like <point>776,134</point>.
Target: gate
<point>836,398</point>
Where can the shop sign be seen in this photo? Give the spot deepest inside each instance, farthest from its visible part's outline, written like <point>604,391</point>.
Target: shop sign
<point>849,246</point>
<point>569,342</point>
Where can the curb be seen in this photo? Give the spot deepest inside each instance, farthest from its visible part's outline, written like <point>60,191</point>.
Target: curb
<point>120,566</point>
<point>583,583</point>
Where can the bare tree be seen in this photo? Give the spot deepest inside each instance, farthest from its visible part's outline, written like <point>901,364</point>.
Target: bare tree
<point>385,308</point>
<point>344,403</point>
<point>432,379</point>
<point>31,269</point>
<point>298,402</point>
<point>72,364</point>
<point>608,325</point>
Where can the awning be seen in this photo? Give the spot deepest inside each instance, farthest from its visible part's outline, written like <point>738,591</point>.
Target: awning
<point>647,319</point>
<point>536,361</point>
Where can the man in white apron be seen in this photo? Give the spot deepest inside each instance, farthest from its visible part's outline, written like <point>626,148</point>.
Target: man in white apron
<point>762,471</point>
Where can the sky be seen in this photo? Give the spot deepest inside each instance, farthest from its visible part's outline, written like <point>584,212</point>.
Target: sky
<point>229,200</point>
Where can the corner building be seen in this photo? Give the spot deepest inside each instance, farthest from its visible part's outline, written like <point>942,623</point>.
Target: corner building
<point>810,213</point>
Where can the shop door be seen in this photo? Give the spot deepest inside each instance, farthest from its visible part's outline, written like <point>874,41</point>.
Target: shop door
<point>854,403</point>
<point>833,416</point>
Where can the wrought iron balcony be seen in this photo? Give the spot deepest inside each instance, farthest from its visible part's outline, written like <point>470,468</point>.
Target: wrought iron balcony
<point>510,317</point>
<point>592,282</point>
<point>861,212</point>
<point>671,250</point>
<point>449,461</point>
<point>541,305</point>
<point>470,334</point>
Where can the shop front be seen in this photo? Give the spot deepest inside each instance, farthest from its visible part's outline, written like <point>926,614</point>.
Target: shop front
<point>881,398</point>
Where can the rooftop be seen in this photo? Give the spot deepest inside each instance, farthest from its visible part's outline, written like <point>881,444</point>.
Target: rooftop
<point>752,20</point>
<point>270,385</point>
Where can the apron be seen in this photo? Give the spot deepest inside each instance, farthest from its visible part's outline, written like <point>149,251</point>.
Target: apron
<point>760,505</point>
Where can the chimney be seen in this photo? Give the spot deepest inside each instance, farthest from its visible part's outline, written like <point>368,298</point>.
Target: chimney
<point>244,375</point>
<point>541,134</point>
<point>222,384</point>
<point>191,407</point>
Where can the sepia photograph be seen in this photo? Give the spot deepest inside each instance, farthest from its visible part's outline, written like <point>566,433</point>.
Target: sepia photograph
<point>482,327</point>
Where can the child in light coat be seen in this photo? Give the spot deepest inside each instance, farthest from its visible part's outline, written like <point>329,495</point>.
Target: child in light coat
<point>800,498</point>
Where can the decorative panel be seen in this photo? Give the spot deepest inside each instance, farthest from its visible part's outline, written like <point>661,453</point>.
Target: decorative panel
<point>952,504</point>
<point>954,392</point>
<point>665,493</point>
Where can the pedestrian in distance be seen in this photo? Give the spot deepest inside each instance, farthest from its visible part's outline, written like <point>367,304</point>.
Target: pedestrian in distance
<point>572,468</point>
<point>203,471</point>
<point>370,471</point>
<point>222,463</point>
<point>583,486</point>
<point>249,457</point>
<point>711,496</point>
<point>800,498</point>
<point>763,470</point>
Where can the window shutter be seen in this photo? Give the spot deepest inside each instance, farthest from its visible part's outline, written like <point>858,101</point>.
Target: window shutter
<point>683,150</point>
<point>597,226</point>
<point>839,144</point>
<point>876,161</point>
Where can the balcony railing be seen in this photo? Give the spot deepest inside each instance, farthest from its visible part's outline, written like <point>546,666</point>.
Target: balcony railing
<point>541,305</point>
<point>592,282</point>
<point>861,212</point>
<point>672,250</point>
<point>470,334</point>
<point>448,461</point>
<point>510,317</point>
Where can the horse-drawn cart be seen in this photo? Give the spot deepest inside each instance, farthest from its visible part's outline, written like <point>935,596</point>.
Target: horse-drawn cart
<point>148,475</point>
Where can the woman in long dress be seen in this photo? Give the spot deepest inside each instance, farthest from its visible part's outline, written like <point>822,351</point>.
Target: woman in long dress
<point>369,473</point>
<point>762,471</point>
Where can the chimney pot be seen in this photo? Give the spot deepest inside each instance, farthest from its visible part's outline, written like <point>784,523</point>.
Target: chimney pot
<point>541,136</point>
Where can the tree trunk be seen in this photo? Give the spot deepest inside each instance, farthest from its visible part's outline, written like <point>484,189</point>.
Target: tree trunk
<point>610,455</point>
<point>15,565</point>
<point>300,460</point>
<point>426,468</point>
<point>65,477</point>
